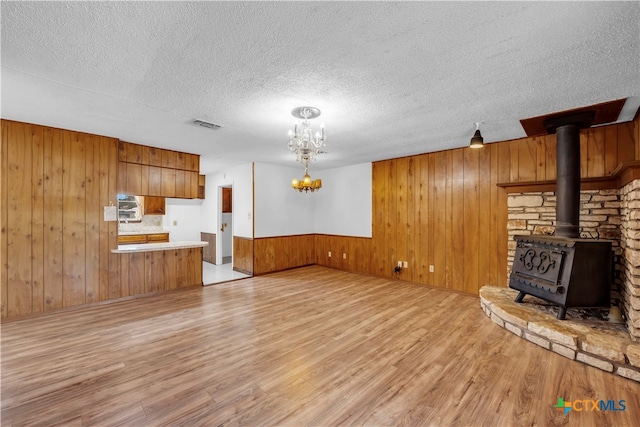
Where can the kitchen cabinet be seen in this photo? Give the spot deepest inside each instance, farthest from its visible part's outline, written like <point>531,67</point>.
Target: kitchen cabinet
<point>227,206</point>
<point>201,186</point>
<point>154,205</point>
<point>150,171</point>
<point>136,239</point>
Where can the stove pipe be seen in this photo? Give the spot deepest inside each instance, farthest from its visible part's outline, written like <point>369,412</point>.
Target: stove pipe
<point>568,181</point>
<point>567,129</point>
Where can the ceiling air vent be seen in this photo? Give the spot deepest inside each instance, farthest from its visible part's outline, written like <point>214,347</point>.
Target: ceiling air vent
<point>206,124</point>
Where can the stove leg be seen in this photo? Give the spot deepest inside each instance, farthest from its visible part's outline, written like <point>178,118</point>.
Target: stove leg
<point>562,311</point>
<point>519,297</point>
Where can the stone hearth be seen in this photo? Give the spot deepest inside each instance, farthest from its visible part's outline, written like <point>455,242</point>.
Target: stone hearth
<point>584,336</point>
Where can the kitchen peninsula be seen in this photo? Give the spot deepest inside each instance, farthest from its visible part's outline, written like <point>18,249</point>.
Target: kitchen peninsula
<point>154,267</point>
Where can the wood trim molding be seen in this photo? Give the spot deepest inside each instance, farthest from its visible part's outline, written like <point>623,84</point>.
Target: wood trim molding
<point>621,176</point>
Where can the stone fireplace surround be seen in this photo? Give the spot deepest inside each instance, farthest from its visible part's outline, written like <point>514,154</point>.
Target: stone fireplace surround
<point>611,214</point>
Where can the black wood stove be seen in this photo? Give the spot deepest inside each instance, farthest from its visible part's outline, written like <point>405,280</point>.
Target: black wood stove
<point>564,269</point>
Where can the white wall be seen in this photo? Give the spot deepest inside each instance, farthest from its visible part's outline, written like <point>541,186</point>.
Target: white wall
<point>241,178</point>
<point>281,211</point>
<point>343,205</point>
<point>186,214</point>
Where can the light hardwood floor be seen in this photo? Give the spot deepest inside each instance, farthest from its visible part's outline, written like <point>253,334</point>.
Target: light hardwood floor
<point>311,346</point>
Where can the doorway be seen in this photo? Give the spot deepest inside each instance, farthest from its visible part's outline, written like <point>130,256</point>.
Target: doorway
<point>224,240</point>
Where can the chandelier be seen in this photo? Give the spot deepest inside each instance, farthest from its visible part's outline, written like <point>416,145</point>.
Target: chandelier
<point>303,142</point>
<point>306,147</point>
<point>306,184</point>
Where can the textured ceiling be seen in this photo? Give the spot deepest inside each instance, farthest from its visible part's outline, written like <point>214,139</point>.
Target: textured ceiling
<point>391,78</point>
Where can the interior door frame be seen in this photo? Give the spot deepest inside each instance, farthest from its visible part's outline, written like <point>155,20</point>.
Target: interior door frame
<point>219,224</point>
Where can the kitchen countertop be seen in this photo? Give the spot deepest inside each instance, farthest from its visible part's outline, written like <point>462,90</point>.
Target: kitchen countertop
<point>148,247</point>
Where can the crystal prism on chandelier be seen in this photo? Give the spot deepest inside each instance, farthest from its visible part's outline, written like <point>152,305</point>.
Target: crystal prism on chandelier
<point>303,142</point>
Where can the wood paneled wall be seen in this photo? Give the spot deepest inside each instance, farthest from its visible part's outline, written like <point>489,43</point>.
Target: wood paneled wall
<point>243,257</point>
<point>55,245</point>
<point>283,252</point>
<point>445,210</point>
<point>146,272</point>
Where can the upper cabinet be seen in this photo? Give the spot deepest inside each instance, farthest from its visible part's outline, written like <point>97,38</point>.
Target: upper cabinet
<point>154,205</point>
<point>149,171</point>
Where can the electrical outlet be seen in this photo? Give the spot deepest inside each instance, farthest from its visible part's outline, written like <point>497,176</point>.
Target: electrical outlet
<point>406,265</point>
<point>249,215</point>
<point>329,254</point>
<point>399,264</point>
<point>175,222</point>
<point>344,256</point>
<point>431,269</point>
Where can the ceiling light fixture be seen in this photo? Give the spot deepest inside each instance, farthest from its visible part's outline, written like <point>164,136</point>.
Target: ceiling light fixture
<point>476,140</point>
<point>304,143</point>
<point>306,184</point>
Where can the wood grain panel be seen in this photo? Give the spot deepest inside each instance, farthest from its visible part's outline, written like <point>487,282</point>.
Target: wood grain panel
<point>105,200</point>
<point>155,157</point>
<point>471,220</point>
<point>181,268</point>
<point>171,268</point>
<point>595,152</point>
<point>458,237</point>
<point>134,153</point>
<point>281,253</point>
<point>380,208</point>
<point>422,253</point>
<point>626,142</point>
<point>181,177</point>
<point>93,215</point>
<point>53,238</point>
<point>527,160</point>
<point>243,254</point>
<point>134,179</point>
<point>154,271</point>
<point>168,182</point>
<point>440,231</point>
<point>74,219</point>
<point>19,159</point>
<point>610,149</point>
<point>135,279</point>
<point>541,157</point>
<point>155,181</point>
<point>401,223</point>
<point>60,182</point>
<point>169,159</point>
<point>194,182</point>
<point>550,150</point>
<point>113,264</point>
<point>37,219</point>
<point>195,259</point>
<point>4,221</point>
